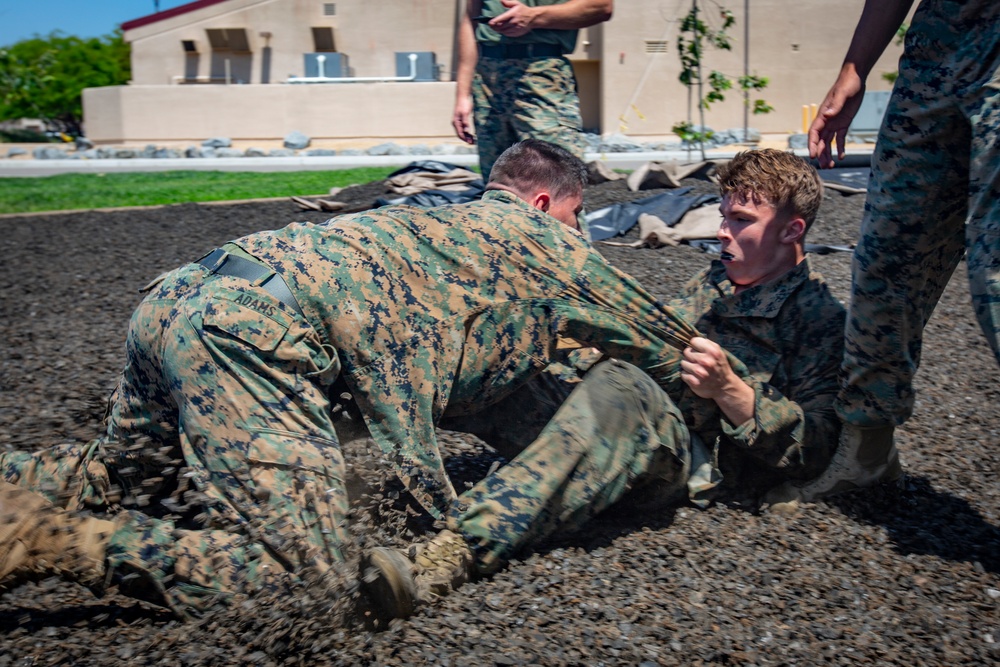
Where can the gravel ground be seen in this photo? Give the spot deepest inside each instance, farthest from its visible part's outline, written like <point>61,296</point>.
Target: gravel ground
<point>884,577</point>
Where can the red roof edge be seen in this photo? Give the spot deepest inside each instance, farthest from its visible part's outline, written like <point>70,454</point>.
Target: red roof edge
<point>168,13</point>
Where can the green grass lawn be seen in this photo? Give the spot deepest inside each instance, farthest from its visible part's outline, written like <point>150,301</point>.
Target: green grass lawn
<point>84,191</point>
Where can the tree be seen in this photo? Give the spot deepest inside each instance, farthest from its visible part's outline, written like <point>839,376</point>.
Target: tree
<point>694,33</point>
<point>44,77</point>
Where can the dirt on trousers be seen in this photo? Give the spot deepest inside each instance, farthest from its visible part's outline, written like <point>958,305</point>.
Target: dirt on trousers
<point>879,577</point>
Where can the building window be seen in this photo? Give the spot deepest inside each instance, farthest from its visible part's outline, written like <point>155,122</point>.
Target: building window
<point>189,46</point>
<point>329,9</point>
<point>323,40</point>
<point>228,39</point>
<point>231,60</point>
<point>656,46</point>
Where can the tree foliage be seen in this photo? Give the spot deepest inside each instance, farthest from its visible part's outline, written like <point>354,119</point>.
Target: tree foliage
<point>44,77</point>
<point>694,33</point>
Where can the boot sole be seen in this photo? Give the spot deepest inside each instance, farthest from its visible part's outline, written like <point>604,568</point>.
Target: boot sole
<point>388,581</point>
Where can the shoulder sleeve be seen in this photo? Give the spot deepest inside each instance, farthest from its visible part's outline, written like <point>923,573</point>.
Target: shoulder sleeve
<point>609,310</point>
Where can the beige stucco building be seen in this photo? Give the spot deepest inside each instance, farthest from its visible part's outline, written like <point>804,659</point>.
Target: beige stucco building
<point>251,69</point>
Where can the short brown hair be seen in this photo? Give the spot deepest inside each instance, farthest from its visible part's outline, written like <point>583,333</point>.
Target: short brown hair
<point>785,181</point>
<point>535,164</point>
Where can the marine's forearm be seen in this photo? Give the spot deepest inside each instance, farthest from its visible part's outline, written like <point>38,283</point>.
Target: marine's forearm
<point>879,22</point>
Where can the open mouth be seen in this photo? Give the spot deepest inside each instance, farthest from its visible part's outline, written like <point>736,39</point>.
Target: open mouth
<point>727,256</point>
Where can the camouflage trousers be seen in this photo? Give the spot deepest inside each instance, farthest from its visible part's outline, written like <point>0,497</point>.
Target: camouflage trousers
<point>531,98</point>
<point>616,431</point>
<point>576,449</point>
<point>225,372</point>
<point>934,196</point>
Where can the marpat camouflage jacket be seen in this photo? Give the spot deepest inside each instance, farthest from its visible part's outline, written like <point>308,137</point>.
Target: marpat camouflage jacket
<point>789,333</point>
<point>455,307</point>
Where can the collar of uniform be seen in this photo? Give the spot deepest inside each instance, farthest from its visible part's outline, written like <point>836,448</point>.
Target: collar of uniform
<point>502,195</point>
<point>540,217</point>
<point>760,301</point>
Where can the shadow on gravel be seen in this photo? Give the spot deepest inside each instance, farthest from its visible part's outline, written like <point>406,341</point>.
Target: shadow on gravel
<point>917,518</point>
<point>629,515</point>
<point>922,520</point>
<point>92,616</point>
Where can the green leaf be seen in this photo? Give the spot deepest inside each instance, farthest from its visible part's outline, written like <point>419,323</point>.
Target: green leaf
<point>44,77</point>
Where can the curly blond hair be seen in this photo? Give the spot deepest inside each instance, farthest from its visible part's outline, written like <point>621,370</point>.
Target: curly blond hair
<point>780,179</point>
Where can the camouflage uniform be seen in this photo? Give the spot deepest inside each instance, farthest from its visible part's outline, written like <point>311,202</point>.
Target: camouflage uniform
<point>418,310</point>
<point>619,431</point>
<point>934,169</point>
<point>525,97</point>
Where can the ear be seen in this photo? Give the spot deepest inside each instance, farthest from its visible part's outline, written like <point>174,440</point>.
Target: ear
<point>795,229</point>
<point>542,201</point>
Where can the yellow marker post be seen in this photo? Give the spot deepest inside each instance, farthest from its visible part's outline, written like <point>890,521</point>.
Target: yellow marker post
<point>805,118</point>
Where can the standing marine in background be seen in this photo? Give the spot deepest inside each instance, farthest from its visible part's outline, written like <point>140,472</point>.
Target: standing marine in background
<point>513,76</point>
<point>932,201</point>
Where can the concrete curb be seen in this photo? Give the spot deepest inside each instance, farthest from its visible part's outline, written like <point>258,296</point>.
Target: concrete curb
<point>36,168</point>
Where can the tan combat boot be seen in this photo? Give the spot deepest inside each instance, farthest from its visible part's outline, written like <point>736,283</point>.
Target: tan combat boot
<point>864,456</point>
<point>399,582</point>
<point>38,540</point>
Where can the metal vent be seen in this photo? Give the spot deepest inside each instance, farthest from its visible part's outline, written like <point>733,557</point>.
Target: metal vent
<point>329,9</point>
<point>656,46</point>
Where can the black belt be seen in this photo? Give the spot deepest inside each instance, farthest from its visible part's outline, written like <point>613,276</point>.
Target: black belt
<point>223,263</point>
<point>513,51</point>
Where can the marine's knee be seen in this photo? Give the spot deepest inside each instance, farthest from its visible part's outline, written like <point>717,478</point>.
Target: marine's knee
<point>617,385</point>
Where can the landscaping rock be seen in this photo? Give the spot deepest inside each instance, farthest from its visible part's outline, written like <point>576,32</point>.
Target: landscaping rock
<point>166,154</point>
<point>738,136</point>
<point>797,141</point>
<point>618,143</point>
<point>217,142</point>
<point>389,148</point>
<point>296,141</point>
<point>48,153</point>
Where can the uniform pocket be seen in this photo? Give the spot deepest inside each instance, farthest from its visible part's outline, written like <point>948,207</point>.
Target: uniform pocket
<point>298,481</point>
<point>247,317</point>
<point>763,361</point>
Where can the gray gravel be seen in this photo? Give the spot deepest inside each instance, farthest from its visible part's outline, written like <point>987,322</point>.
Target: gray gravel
<point>882,577</point>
